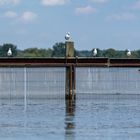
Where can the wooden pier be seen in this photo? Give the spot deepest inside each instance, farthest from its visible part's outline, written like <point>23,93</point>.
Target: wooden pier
<point>70,62</point>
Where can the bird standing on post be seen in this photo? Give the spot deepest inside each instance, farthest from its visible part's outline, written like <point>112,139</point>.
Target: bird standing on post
<point>67,36</point>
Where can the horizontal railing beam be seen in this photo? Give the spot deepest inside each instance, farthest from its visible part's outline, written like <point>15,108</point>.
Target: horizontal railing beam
<point>63,62</point>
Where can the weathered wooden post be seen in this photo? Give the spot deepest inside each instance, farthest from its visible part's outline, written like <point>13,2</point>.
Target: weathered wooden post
<point>70,72</point>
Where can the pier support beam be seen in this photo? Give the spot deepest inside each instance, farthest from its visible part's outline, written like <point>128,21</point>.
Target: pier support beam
<point>70,72</point>
<point>70,82</point>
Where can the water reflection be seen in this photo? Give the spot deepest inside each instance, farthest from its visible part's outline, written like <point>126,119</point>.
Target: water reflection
<point>69,120</point>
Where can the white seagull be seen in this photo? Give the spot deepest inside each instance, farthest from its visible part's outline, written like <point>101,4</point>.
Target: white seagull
<point>128,52</point>
<point>95,52</point>
<point>67,36</point>
<point>9,52</point>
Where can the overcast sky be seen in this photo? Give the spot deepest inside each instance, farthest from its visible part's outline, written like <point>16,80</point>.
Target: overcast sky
<point>92,23</point>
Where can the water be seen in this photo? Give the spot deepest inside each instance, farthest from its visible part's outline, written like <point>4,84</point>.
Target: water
<point>32,105</point>
<point>97,119</point>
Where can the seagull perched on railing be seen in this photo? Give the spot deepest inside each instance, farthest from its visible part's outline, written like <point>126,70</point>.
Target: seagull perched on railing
<point>67,36</point>
<point>94,52</point>
<point>9,52</point>
<point>128,52</point>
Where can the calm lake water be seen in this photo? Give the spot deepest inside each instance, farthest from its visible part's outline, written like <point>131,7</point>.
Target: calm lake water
<point>92,119</point>
<point>107,105</point>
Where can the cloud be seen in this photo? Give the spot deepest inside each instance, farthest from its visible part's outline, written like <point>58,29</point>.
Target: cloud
<point>85,10</point>
<point>136,5</point>
<point>9,2</point>
<point>99,1</point>
<point>53,2</point>
<point>10,14</point>
<point>122,17</point>
<point>25,17</point>
<point>28,16</point>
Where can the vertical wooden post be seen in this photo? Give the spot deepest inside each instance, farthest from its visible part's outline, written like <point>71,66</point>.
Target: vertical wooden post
<point>69,46</point>
<point>74,81</point>
<point>70,72</point>
<point>70,82</point>
<point>67,81</point>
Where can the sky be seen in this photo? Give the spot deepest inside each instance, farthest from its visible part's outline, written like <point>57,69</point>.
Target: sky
<point>92,24</point>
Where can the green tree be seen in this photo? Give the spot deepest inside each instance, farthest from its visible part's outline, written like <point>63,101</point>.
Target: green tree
<point>137,53</point>
<point>58,50</point>
<point>82,53</point>
<point>35,52</point>
<point>109,53</point>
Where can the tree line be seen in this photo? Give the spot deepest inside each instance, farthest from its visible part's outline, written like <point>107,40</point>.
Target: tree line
<point>58,50</point>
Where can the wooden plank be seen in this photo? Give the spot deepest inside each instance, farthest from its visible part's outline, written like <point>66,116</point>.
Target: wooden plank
<point>63,62</point>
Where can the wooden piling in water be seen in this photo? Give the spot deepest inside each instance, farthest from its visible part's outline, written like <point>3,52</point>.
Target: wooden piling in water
<point>70,73</point>
<point>70,82</point>
<point>74,81</point>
